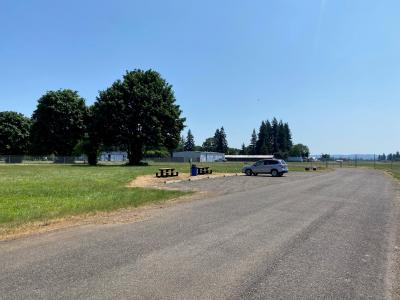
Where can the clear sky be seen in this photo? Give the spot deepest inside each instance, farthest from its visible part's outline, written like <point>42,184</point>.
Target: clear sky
<point>331,68</point>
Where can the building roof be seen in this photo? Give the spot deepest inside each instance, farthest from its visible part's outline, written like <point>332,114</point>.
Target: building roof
<point>198,152</point>
<point>249,156</point>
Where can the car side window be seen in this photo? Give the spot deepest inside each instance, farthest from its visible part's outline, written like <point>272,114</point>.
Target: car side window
<point>258,163</point>
<point>266,162</point>
<point>274,162</point>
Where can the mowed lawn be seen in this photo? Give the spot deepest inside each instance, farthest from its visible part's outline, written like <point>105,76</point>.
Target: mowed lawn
<point>393,168</point>
<point>42,192</point>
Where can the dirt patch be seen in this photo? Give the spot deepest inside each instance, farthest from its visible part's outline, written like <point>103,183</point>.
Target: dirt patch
<point>151,181</point>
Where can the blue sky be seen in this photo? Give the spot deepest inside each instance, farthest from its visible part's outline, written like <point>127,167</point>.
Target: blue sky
<point>331,68</point>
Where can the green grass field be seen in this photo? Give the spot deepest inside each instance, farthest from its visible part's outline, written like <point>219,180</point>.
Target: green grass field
<point>392,168</point>
<point>40,192</point>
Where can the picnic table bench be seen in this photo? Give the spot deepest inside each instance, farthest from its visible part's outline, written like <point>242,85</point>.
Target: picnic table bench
<point>167,172</point>
<point>203,170</point>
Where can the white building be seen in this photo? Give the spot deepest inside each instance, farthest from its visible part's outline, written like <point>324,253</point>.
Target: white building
<point>198,156</point>
<point>113,156</point>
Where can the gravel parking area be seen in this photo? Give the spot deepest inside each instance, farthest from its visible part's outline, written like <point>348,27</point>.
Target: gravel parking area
<point>304,236</point>
<point>233,184</point>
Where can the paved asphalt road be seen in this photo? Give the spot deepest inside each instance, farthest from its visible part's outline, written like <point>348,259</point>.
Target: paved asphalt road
<point>305,236</point>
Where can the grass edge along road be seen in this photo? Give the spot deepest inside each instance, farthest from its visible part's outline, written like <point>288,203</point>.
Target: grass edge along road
<point>39,193</point>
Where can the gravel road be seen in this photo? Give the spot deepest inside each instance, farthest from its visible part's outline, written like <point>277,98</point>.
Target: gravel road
<point>304,236</point>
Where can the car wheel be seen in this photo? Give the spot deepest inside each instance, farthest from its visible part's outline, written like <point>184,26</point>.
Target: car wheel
<point>248,172</point>
<point>274,173</point>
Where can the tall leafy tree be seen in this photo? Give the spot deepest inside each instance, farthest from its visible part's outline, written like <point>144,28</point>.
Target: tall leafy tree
<point>58,122</point>
<point>299,150</point>
<point>209,144</point>
<point>90,144</point>
<point>189,143</point>
<point>14,133</point>
<point>138,111</point>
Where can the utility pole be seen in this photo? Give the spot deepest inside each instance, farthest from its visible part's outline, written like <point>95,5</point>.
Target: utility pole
<point>374,162</point>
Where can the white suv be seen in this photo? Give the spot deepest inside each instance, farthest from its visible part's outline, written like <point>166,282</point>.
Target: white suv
<point>275,167</point>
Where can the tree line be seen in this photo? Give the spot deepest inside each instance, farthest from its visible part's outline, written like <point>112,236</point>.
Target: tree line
<point>274,137</point>
<point>389,157</point>
<point>216,143</point>
<point>134,114</point>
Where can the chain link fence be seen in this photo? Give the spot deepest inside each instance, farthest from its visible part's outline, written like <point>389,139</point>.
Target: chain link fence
<point>229,165</point>
<point>51,159</point>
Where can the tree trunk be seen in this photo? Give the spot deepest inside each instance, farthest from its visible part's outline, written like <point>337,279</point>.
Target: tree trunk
<point>92,158</point>
<point>135,154</point>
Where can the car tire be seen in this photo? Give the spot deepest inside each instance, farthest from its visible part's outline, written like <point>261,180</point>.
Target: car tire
<point>248,172</point>
<point>274,173</point>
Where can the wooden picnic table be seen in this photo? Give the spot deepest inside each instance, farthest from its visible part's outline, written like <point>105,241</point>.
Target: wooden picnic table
<point>203,170</point>
<point>167,172</point>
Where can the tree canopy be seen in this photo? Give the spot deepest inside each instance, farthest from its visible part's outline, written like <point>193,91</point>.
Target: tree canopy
<point>136,112</point>
<point>299,150</point>
<point>14,133</point>
<point>58,122</point>
<point>208,144</point>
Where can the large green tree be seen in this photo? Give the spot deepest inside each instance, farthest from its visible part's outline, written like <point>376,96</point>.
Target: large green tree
<point>58,122</point>
<point>209,144</point>
<point>136,112</point>
<point>299,150</point>
<point>14,133</point>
